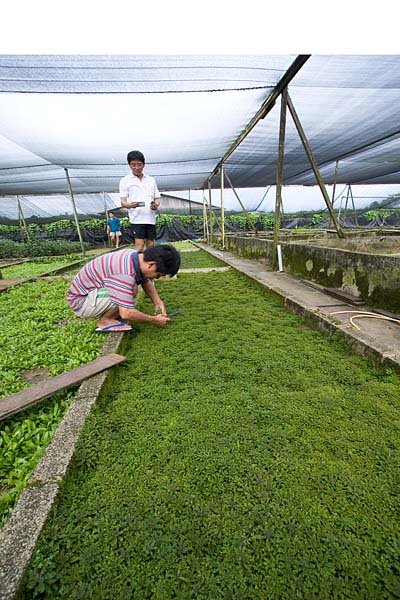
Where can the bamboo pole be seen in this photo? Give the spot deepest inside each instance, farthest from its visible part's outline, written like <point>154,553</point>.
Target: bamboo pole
<point>21,230</point>
<point>262,199</point>
<point>314,166</point>
<point>22,222</point>
<point>236,194</point>
<point>106,213</point>
<point>334,187</point>
<point>222,209</point>
<point>354,206</point>
<point>279,177</point>
<point>74,209</point>
<point>266,106</point>
<point>205,221</point>
<point>346,205</point>
<point>211,214</point>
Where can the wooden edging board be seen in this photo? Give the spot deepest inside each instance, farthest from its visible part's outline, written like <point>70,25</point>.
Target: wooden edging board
<point>14,403</point>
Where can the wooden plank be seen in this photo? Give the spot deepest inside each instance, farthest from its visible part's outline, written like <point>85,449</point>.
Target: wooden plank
<point>14,403</point>
<point>7,283</point>
<point>342,295</point>
<point>68,267</point>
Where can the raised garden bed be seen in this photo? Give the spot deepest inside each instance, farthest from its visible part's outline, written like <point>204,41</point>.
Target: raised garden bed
<point>236,454</point>
<point>39,267</point>
<point>39,338</point>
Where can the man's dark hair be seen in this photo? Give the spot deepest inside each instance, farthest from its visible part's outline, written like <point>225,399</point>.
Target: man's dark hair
<point>166,257</point>
<point>135,155</point>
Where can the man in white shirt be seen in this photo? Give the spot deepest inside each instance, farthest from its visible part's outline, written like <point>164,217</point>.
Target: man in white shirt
<point>140,195</point>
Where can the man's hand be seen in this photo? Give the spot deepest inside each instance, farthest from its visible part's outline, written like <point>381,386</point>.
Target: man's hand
<point>160,320</point>
<point>159,308</point>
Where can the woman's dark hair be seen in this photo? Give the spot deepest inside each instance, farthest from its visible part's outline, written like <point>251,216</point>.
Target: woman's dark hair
<point>166,257</point>
<point>135,155</point>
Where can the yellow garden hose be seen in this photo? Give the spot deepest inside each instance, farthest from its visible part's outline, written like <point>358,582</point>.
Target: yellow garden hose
<point>359,315</point>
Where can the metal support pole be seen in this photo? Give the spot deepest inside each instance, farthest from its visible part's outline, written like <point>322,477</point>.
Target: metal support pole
<point>74,209</point>
<point>22,222</point>
<point>222,209</point>
<point>211,214</point>
<point>279,177</point>
<point>234,191</point>
<point>314,166</point>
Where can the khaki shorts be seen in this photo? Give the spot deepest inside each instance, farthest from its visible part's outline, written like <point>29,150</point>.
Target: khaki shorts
<point>96,303</point>
<point>115,233</point>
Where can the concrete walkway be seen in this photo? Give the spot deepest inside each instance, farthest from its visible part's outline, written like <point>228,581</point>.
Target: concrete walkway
<point>377,338</point>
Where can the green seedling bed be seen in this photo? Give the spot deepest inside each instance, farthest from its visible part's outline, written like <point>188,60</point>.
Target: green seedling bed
<point>201,259</point>
<point>237,454</point>
<point>37,267</point>
<point>185,245</point>
<point>39,338</point>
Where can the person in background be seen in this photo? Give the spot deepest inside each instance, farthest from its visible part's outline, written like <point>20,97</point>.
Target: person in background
<point>106,287</point>
<point>140,195</point>
<point>114,229</point>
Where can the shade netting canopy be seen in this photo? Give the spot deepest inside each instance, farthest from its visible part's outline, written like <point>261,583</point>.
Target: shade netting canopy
<point>84,113</point>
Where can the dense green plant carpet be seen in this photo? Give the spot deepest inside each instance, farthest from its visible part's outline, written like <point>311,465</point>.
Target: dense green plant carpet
<point>200,259</point>
<point>185,245</point>
<point>37,267</point>
<point>236,455</point>
<point>39,336</point>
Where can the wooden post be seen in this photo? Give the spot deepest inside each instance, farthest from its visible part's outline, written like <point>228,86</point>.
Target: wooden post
<point>334,187</point>
<point>279,177</point>
<point>74,209</point>
<point>234,191</point>
<point>262,199</point>
<point>314,166</point>
<point>222,208</point>
<point>106,213</point>
<point>205,221</point>
<point>22,222</point>
<point>354,206</point>
<point>211,214</point>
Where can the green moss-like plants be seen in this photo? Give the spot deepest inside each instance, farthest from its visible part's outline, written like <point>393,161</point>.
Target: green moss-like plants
<point>238,455</point>
<point>201,259</point>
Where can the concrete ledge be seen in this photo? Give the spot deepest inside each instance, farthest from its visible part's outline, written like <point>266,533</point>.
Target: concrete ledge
<point>19,535</point>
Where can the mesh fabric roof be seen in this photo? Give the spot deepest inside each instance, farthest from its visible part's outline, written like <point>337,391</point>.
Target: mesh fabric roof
<point>85,113</point>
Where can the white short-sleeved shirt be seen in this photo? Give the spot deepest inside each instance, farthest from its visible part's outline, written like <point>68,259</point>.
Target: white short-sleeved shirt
<point>137,190</point>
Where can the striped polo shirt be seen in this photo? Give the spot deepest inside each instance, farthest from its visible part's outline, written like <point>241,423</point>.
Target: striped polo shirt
<point>114,271</point>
